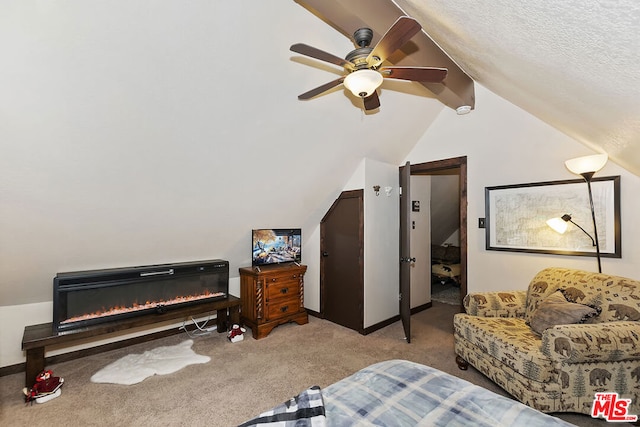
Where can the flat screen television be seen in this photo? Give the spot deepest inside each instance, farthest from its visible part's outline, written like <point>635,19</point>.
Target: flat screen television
<point>276,246</point>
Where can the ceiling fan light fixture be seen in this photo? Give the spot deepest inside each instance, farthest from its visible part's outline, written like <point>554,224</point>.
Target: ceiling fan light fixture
<point>363,83</point>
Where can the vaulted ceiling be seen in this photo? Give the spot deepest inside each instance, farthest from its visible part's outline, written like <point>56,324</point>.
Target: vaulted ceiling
<point>573,64</point>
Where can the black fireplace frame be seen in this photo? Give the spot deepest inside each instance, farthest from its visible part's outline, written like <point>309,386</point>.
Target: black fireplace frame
<point>173,273</point>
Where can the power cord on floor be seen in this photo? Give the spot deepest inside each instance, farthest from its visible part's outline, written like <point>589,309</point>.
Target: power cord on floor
<point>200,330</point>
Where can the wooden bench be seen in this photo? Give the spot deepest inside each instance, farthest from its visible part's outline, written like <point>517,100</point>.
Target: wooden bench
<point>37,337</point>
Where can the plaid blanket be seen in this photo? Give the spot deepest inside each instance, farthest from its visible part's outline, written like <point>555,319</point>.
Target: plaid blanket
<point>303,410</point>
<point>403,393</point>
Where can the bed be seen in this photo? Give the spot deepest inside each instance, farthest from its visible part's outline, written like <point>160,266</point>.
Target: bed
<point>402,393</point>
<point>445,264</point>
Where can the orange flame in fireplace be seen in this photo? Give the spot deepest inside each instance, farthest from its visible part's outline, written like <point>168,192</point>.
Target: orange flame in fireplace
<point>113,311</point>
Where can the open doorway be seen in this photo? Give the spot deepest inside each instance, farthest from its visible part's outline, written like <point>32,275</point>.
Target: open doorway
<point>445,241</point>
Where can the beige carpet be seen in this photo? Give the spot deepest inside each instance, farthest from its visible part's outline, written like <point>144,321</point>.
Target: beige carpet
<point>242,379</point>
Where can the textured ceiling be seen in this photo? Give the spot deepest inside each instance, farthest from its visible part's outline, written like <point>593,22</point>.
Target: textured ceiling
<point>573,64</point>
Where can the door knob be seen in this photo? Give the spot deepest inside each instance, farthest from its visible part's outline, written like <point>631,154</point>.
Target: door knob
<point>325,254</point>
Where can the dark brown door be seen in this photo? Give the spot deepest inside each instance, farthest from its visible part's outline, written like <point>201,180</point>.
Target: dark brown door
<point>341,261</point>
<point>405,247</point>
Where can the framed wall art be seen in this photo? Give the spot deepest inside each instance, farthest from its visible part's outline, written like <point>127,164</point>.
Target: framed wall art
<point>516,217</point>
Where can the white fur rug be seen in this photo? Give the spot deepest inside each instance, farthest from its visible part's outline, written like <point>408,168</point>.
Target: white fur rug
<point>134,368</point>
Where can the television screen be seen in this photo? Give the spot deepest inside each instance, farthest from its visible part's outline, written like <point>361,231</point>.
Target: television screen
<point>276,245</point>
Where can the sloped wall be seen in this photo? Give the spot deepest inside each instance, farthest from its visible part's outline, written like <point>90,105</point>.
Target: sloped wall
<point>134,135</point>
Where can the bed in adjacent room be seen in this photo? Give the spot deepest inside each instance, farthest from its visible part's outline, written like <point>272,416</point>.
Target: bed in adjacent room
<point>402,393</point>
<point>445,264</point>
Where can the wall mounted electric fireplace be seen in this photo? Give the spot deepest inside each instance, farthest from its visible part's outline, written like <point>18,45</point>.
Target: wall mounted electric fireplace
<point>85,298</point>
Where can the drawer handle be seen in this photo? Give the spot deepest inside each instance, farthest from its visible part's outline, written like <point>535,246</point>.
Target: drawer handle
<point>284,290</point>
<point>274,279</point>
<point>295,275</point>
<point>284,309</point>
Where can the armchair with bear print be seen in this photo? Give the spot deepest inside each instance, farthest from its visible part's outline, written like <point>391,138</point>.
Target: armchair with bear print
<point>570,335</point>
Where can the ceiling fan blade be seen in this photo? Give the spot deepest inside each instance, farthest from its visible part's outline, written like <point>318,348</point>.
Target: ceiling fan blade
<point>316,53</point>
<point>320,89</point>
<point>372,101</point>
<point>399,33</point>
<point>416,74</point>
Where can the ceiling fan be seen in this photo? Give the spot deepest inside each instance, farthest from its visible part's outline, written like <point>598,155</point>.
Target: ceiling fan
<point>365,72</point>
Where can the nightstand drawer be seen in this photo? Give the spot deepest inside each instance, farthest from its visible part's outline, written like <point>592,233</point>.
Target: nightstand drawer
<point>282,308</point>
<point>282,289</point>
<point>282,277</point>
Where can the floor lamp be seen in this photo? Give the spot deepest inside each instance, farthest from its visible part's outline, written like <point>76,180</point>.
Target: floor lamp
<point>586,167</point>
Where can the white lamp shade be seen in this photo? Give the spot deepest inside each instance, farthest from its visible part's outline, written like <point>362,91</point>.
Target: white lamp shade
<point>363,83</point>
<point>558,224</point>
<point>586,164</point>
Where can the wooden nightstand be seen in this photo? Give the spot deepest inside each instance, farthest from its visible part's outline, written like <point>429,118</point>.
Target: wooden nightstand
<point>271,296</point>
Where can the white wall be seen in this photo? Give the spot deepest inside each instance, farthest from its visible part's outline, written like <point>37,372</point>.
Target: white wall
<point>421,241</point>
<point>311,253</point>
<point>131,136</point>
<point>381,248</point>
<point>13,319</point>
<point>357,180</point>
<point>505,145</point>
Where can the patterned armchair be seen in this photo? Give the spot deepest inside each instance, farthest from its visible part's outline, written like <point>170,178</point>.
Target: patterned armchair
<point>524,341</point>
